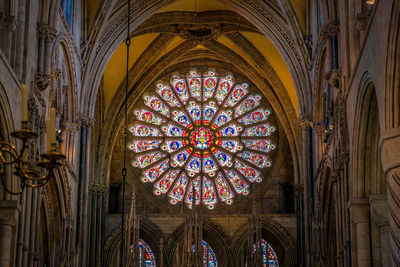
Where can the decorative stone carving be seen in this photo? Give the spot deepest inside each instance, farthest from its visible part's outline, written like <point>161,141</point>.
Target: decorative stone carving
<point>85,121</point>
<point>46,32</point>
<point>37,123</point>
<point>199,33</point>
<point>334,78</point>
<point>308,40</point>
<point>42,81</point>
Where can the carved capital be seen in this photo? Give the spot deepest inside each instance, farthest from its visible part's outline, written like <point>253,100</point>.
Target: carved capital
<point>333,28</point>
<point>305,121</point>
<point>69,127</point>
<point>85,121</point>
<point>319,129</point>
<point>42,81</point>
<point>359,210</point>
<point>45,32</point>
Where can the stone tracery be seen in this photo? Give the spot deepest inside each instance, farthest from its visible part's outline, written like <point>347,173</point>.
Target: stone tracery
<point>209,144</point>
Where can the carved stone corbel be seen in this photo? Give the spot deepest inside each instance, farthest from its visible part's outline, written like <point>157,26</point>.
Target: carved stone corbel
<point>42,81</point>
<point>334,78</point>
<point>85,121</point>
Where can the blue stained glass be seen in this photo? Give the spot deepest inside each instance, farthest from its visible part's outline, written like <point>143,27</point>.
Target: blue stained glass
<point>66,8</point>
<point>146,256</point>
<point>268,255</point>
<point>209,258</point>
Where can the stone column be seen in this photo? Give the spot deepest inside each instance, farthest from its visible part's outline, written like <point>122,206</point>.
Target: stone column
<point>380,217</point>
<point>359,212</point>
<point>83,191</point>
<point>390,152</point>
<point>8,222</point>
<point>304,123</point>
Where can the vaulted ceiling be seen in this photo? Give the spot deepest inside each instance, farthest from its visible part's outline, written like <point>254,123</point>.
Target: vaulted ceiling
<point>268,51</point>
<point>211,27</point>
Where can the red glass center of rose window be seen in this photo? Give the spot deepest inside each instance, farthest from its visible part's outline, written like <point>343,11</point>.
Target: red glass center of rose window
<point>202,138</point>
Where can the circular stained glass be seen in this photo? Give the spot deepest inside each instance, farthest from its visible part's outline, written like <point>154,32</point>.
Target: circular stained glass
<point>202,138</point>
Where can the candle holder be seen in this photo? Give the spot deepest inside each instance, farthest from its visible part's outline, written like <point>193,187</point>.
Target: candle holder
<point>32,177</point>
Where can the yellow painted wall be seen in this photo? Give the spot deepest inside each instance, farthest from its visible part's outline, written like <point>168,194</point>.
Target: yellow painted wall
<point>92,7</point>
<point>269,51</point>
<point>195,5</point>
<point>115,70</point>
<point>300,7</point>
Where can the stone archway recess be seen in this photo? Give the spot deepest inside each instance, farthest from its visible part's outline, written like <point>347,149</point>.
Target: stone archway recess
<point>109,39</point>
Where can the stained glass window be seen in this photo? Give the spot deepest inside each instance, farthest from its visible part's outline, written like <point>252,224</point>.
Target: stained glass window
<point>269,258</point>
<point>146,256</point>
<point>66,8</point>
<point>209,258</point>
<point>202,138</point>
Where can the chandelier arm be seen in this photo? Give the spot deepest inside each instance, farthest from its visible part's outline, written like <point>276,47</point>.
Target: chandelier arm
<point>32,175</point>
<point>3,182</point>
<point>41,184</point>
<point>9,149</point>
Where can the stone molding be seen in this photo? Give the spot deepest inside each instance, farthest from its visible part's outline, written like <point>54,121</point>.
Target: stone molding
<point>9,212</point>
<point>379,210</point>
<point>359,210</point>
<point>390,149</point>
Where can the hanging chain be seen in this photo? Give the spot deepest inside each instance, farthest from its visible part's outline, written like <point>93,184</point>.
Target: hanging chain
<point>124,171</point>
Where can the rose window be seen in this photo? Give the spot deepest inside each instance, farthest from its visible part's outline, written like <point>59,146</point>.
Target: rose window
<point>202,135</point>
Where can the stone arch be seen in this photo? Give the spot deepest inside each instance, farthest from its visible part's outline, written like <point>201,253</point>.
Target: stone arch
<point>213,234</point>
<point>63,95</point>
<point>273,233</point>
<point>49,11</point>
<point>392,76</point>
<point>114,117</point>
<point>6,128</point>
<point>319,85</point>
<point>260,14</point>
<point>149,232</point>
<point>390,126</point>
<point>329,220</point>
<point>55,221</point>
<point>62,43</point>
<point>367,167</point>
<point>367,182</point>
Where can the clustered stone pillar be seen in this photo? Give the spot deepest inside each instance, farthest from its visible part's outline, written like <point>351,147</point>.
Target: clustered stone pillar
<point>8,221</point>
<point>390,149</point>
<point>359,212</point>
<point>379,216</point>
<point>83,191</point>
